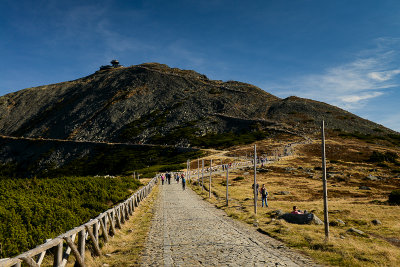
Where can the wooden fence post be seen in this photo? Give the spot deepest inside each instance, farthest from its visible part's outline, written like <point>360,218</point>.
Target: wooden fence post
<point>58,254</point>
<point>209,186</point>
<point>202,175</point>
<point>94,241</point>
<point>187,170</point>
<point>255,180</point>
<point>227,185</point>
<point>104,230</point>
<point>75,251</point>
<point>117,218</point>
<point>325,188</point>
<point>189,178</point>
<point>111,223</point>
<point>96,232</point>
<point>82,243</point>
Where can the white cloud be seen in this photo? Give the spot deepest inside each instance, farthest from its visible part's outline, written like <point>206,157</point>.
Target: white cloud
<point>353,84</point>
<point>383,75</point>
<point>358,98</point>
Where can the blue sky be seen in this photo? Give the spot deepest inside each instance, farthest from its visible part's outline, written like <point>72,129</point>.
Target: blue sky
<point>342,52</point>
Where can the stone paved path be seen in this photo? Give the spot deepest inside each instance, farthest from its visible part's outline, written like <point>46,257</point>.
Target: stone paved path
<point>188,231</point>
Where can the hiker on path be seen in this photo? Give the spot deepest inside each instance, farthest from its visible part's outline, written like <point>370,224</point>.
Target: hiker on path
<point>168,175</point>
<point>177,178</point>
<point>264,195</point>
<point>162,179</point>
<point>183,182</point>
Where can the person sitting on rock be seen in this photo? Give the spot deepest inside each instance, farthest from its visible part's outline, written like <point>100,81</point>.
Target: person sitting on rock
<point>295,211</point>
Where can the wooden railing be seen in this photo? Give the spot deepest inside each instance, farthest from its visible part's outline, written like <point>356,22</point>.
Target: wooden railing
<point>100,227</point>
<point>75,240</point>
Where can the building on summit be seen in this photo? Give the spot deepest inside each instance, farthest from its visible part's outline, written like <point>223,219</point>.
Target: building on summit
<point>114,64</point>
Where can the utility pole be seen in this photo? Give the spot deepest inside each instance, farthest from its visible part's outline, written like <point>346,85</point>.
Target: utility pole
<point>198,171</point>
<point>189,178</point>
<point>202,175</point>
<point>255,180</point>
<point>227,185</point>
<point>187,170</point>
<point>326,220</point>
<point>209,186</point>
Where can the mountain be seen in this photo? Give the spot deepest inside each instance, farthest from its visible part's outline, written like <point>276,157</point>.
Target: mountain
<point>153,103</point>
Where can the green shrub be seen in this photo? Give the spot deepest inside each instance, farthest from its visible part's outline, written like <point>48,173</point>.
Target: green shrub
<point>378,157</point>
<point>394,197</point>
<point>382,165</point>
<point>32,210</point>
<point>238,178</point>
<point>123,161</point>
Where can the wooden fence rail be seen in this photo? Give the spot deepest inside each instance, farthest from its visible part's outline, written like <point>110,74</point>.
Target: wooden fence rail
<point>75,241</point>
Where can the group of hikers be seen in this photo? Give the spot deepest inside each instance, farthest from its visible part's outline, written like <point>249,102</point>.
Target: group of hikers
<point>177,176</point>
<point>264,193</point>
<point>166,178</point>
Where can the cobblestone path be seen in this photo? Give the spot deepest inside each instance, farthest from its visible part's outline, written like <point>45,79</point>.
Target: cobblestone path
<point>188,231</point>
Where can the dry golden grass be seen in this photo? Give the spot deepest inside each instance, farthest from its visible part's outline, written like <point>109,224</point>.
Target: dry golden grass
<point>357,208</point>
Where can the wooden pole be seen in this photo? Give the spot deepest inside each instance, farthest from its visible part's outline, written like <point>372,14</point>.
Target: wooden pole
<point>209,186</point>
<point>227,185</point>
<point>255,180</point>
<point>198,171</point>
<point>94,241</point>
<point>202,175</point>
<point>326,220</point>
<point>189,171</point>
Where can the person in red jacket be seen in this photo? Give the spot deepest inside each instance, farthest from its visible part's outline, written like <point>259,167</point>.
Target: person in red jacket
<point>295,211</point>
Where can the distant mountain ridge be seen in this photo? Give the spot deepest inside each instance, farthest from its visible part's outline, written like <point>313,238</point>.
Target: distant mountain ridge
<point>153,103</point>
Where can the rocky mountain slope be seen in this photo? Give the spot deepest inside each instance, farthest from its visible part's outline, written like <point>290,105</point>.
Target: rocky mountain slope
<point>153,103</point>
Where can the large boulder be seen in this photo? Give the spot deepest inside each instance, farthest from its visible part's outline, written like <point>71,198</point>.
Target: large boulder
<point>277,213</point>
<point>364,187</point>
<point>337,222</point>
<point>376,222</point>
<point>371,177</point>
<point>307,218</point>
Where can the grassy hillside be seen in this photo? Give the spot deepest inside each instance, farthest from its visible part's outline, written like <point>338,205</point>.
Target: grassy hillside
<point>362,178</point>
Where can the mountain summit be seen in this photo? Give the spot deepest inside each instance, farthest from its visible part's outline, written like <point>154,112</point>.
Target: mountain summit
<point>153,103</point>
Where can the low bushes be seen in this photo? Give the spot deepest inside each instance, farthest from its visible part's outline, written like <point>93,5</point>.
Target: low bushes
<point>394,197</point>
<point>32,210</point>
